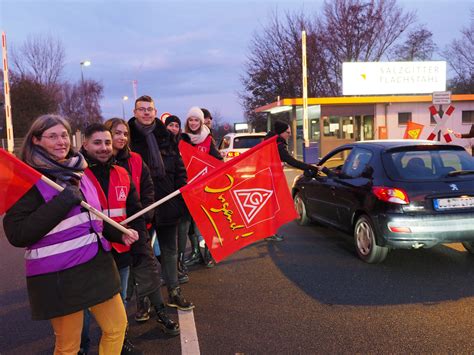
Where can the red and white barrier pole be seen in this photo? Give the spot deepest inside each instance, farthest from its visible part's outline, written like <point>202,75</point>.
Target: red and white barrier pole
<point>6,91</point>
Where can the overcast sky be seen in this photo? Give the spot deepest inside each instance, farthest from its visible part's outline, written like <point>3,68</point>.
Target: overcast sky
<point>183,53</point>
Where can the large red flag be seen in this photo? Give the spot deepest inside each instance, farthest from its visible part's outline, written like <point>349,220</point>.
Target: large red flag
<point>197,163</point>
<point>241,201</point>
<point>16,178</point>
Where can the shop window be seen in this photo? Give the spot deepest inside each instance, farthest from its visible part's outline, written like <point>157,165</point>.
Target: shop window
<point>468,117</point>
<point>404,118</point>
<point>338,127</point>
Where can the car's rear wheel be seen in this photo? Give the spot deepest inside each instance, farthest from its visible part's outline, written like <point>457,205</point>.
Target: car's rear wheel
<point>469,246</point>
<point>366,243</point>
<point>303,219</point>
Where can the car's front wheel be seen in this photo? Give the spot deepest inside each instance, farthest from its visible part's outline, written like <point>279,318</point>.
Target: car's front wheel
<point>365,242</point>
<point>469,246</point>
<point>300,207</point>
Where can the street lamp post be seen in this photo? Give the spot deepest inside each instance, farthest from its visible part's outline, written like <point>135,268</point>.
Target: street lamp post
<point>124,98</point>
<point>84,63</point>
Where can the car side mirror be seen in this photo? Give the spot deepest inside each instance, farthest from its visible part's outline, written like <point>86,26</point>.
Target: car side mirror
<point>310,173</point>
<point>367,172</point>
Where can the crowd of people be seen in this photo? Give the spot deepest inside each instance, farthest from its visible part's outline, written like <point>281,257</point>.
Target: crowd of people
<point>78,265</point>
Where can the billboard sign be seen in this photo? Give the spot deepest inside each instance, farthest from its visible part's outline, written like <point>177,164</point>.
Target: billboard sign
<point>391,78</point>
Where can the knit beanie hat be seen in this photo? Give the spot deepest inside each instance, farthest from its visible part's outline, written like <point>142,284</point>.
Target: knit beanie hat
<point>196,112</point>
<point>171,119</point>
<point>280,127</point>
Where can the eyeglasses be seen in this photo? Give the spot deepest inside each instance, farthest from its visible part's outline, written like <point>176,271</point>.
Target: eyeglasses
<point>143,109</point>
<point>55,137</point>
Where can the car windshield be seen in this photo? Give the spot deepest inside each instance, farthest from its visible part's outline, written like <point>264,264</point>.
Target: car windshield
<point>429,164</point>
<point>246,141</point>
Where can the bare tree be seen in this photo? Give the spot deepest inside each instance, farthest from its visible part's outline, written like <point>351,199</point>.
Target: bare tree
<point>29,99</point>
<point>41,57</point>
<point>348,30</point>
<point>460,56</point>
<point>419,45</point>
<point>81,103</point>
<point>357,30</point>
<point>273,66</point>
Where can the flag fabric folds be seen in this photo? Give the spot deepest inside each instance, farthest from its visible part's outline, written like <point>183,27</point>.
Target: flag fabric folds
<point>241,201</point>
<point>16,178</point>
<point>197,163</point>
<point>413,130</point>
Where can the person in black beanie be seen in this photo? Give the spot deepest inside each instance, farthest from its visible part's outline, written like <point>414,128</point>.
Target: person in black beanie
<point>173,124</point>
<point>283,131</point>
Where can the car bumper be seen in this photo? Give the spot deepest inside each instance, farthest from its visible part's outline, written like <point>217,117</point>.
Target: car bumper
<point>425,231</point>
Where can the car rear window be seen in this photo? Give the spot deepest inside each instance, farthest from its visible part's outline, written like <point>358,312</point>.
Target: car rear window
<point>243,142</point>
<point>225,143</point>
<point>430,164</point>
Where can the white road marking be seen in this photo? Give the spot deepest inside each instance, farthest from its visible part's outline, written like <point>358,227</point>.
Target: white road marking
<point>188,333</point>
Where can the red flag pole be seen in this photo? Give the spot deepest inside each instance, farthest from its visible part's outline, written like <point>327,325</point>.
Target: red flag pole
<point>89,208</point>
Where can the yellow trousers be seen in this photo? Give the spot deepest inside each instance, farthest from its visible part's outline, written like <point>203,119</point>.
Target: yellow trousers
<point>112,320</point>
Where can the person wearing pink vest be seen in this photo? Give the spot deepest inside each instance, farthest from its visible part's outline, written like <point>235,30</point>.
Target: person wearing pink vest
<point>69,266</point>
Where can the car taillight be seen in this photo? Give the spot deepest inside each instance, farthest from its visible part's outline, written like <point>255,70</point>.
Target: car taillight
<point>232,154</point>
<point>391,194</point>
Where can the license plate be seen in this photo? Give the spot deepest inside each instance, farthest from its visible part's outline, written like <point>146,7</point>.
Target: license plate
<point>453,203</point>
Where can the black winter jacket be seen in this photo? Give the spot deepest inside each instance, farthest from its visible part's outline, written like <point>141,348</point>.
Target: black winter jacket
<point>169,212</point>
<point>286,157</point>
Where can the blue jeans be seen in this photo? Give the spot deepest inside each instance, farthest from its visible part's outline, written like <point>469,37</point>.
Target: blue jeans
<point>85,340</point>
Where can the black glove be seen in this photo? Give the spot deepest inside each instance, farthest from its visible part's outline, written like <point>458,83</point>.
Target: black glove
<point>73,194</point>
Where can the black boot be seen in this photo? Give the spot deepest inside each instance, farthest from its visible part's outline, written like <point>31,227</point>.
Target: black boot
<point>195,257</point>
<point>128,348</point>
<point>177,300</point>
<point>208,259</point>
<point>143,309</point>
<point>182,270</point>
<point>164,321</point>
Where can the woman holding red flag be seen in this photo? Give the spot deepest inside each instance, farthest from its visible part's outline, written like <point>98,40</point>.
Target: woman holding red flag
<point>199,135</point>
<point>141,178</point>
<point>69,266</point>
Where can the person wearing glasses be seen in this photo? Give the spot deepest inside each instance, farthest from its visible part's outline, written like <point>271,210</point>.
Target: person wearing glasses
<point>283,131</point>
<point>159,150</point>
<point>69,266</point>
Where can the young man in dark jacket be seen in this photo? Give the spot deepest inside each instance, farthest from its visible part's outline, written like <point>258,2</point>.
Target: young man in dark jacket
<point>159,150</point>
<point>283,131</point>
<point>97,150</point>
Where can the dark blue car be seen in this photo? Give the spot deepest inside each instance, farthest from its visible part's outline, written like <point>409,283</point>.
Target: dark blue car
<point>392,194</point>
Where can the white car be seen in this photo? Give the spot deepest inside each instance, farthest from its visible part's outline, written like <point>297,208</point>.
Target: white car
<point>234,144</point>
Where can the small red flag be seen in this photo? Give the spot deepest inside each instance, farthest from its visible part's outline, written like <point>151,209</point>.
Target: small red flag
<point>197,163</point>
<point>16,178</point>
<point>413,130</point>
<point>241,201</point>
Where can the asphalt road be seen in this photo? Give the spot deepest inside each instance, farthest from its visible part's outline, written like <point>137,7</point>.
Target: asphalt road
<point>308,294</point>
